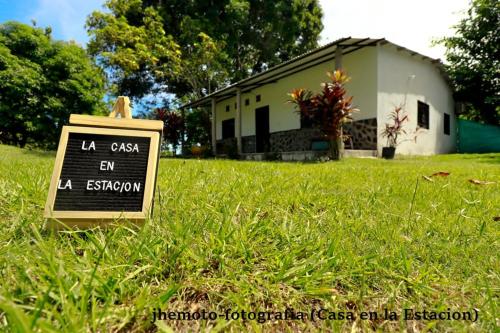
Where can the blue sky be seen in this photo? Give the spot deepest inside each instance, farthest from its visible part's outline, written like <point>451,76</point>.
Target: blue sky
<point>66,17</point>
<point>410,23</point>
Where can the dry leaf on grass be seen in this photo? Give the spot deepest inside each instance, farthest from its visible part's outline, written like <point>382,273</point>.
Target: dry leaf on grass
<point>436,174</point>
<point>440,174</point>
<point>480,182</point>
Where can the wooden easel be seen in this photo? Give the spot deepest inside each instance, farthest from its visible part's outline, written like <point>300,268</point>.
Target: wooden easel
<point>122,108</point>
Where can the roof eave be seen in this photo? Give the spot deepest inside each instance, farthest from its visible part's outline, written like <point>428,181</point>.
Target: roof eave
<point>205,100</point>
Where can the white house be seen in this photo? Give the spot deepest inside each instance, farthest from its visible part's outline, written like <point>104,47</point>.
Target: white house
<point>254,116</point>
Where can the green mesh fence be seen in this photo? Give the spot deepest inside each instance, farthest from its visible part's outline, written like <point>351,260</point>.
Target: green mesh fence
<point>475,137</point>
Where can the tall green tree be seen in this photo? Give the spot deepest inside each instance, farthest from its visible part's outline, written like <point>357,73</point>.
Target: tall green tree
<point>203,66</point>
<point>198,127</point>
<point>42,82</point>
<point>473,55</point>
<point>129,42</point>
<point>257,33</point>
<point>244,37</point>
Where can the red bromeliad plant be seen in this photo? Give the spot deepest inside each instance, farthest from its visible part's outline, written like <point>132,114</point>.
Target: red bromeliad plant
<point>394,130</point>
<point>173,125</point>
<point>327,110</point>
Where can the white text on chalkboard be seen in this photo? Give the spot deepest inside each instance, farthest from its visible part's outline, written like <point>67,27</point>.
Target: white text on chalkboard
<point>122,147</point>
<point>125,147</point>
<point>66,186</point>
<point>107,166</point>
<point>113,186</point>
<point>91,146</point>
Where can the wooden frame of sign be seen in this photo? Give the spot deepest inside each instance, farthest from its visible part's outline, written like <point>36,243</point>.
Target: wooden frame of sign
<point>105,170</point>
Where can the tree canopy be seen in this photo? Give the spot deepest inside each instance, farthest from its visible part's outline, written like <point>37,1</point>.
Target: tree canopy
<point>190,48</point>
<point>43,81</point>
<point>474,61</point>
<point>132,46</point>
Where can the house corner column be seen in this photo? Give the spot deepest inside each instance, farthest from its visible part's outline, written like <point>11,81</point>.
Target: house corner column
<point>238,120</point>
<point>338,66</point>
<point>338,57</point>
<point>214,128</point>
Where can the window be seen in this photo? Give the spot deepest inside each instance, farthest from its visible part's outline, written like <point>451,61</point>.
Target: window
<point>228,128</point>
<point>247,101</point>
<point>257,98</point>
<point>423,115</point>
<point>227,108</point>
<point>446,124</point>
<point>235,106</point>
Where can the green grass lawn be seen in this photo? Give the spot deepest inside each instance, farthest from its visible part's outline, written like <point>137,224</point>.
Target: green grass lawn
<point>355,235</point>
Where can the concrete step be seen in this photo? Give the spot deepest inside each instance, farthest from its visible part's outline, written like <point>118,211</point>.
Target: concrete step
<point>307,155</point>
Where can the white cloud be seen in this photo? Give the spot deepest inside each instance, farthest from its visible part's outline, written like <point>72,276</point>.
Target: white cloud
<point>409,23</point>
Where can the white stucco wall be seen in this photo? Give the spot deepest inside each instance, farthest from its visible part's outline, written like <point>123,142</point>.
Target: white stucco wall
<point>395,69</point>
<point>361,66</point>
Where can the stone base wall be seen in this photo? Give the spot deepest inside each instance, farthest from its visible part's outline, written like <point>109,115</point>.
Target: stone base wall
<point>362,136</point>
<point>293,140</point>
<point>248,144</point>
<point>227,146</point>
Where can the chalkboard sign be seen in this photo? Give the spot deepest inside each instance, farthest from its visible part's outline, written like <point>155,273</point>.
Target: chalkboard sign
<point>104,171</point>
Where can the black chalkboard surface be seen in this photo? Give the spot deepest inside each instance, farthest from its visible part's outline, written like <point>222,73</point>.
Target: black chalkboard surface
<point>103,173</point>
